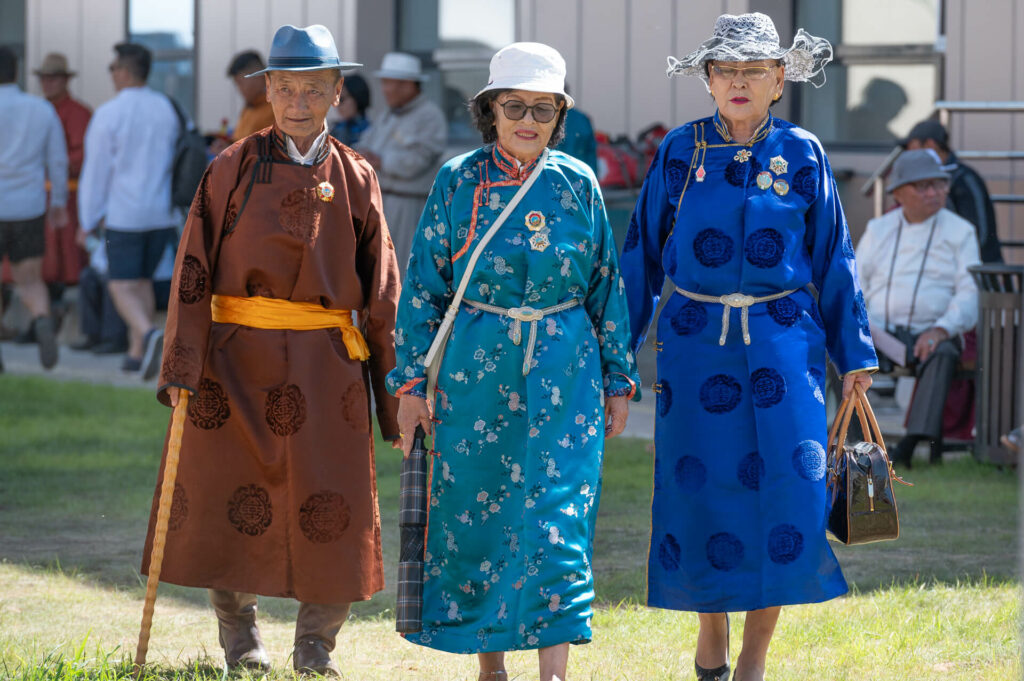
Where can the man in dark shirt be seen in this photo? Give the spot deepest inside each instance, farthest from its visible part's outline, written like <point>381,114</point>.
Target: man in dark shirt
<point>968,196</point>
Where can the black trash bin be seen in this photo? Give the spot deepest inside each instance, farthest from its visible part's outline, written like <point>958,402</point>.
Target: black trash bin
<point>1000,406</point>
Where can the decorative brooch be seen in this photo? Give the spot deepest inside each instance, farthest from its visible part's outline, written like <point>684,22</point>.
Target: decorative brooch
<point>700,173</point>
<point>540,240</point>
<point>325,192</point>
<point>781,187</point>
<point>743,155</point>
<point>764,180</point>
<point>778,165</point>
<point>535,220</point>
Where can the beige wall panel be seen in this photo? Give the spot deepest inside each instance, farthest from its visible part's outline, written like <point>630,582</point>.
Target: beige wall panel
<point>375,37</point>
<point>252,29</point>
<point>603,56</point>
<point>216,45</point>
<point>955,73</point>
<point>85,31</point>
<point>557,24</point>
<point>987,37</point>
<point>286,12</point>
<point>694,23</point>
<point>648,92</point>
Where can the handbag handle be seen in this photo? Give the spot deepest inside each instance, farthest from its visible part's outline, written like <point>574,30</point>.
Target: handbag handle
<point>860,404</point>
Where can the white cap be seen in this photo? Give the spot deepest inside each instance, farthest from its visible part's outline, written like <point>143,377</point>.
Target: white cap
<point>534,67</point>
<point>401,66</point>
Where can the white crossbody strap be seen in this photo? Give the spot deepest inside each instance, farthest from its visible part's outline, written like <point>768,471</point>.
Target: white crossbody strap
<point>453,309</point>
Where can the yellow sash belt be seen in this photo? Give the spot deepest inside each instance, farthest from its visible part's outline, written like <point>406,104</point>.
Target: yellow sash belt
<point>273,313</point>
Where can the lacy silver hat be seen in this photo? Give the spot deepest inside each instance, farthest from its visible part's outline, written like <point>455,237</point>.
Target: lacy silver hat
<point>752,37</point>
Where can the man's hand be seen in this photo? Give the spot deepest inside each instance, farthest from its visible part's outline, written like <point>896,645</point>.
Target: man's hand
<point>412,411</point>
<point>862,378</point>
<point>57,217</point>
<point>173,392</point>
<point>616,411</point>
<point>927,342</point>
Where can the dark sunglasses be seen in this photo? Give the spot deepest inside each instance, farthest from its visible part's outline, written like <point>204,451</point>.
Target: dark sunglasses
<point>516,111</point>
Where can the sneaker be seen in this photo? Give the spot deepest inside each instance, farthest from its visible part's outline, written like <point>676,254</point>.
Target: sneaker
<point>46,335</point>
<point>153,348</point>
<point>26,337</point>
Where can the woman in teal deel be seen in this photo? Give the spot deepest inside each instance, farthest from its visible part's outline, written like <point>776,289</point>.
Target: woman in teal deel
<point>536,374</point>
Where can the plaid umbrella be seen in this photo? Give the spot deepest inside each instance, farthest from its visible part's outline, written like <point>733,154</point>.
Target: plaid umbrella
<point>412,520</point>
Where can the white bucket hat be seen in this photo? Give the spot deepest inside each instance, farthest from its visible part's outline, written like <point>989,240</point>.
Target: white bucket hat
<point>534,67</point>
<point>401,66</point>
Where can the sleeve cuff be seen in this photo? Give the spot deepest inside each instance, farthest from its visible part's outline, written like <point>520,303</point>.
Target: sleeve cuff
<point>413,388</point>
<point>618,384</point>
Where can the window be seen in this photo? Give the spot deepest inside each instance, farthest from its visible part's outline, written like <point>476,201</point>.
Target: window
<point>455,40</point>
<point>168,29</point>
<point>887,71</point>
<point>12,33</point>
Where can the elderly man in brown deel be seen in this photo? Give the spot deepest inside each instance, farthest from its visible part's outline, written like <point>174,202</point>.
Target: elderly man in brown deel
<point>275,492</point>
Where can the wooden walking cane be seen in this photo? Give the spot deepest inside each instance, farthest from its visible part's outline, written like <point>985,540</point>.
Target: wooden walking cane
<point>163,517</point>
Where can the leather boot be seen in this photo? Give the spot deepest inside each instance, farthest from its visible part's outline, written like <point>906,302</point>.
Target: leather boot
<point>316,628</point>
<point>239,636</point>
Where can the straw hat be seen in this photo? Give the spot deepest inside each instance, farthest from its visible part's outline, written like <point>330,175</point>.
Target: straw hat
<point>54,64</point>
<point>534,67</point>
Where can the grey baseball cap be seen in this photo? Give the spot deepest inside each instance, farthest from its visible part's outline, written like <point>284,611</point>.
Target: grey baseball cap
<point>911,166</point>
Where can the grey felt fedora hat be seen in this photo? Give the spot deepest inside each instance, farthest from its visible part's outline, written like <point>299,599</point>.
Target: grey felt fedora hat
<point>303,49</point>
<point>912,166</point>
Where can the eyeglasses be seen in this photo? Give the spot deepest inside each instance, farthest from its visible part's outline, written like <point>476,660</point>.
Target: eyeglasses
<point>749,72</point>
<point>516,111</point>
<point>924,186</point>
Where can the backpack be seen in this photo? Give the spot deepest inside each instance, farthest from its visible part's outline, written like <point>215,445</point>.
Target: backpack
<point>617,163</point>
<point>190,160</point>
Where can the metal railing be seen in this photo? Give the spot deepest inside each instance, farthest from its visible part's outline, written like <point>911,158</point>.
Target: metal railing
<point>875,185</point>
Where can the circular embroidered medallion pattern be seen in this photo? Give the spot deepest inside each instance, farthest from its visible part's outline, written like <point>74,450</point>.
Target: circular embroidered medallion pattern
<point>816,381</point>
<point>764,248</point>
<point>690,318</point>
<point>860,313</point>
<point>179,508</point>
<point>324,517</point>
<point>664,398</point>
<point>848,246</point>
<point>671,257</point>
<point>192,280</point>
<point>354,407</point>
<point>712,247</point>
<point>669,553</point>
<point>250,511</point>
<point>201,201</point>
<point>724,551</point>
<point>208,409</point>
<point>750,471</point>
<point>676,171</point>
<point>286,409</point>
<point>690,474</point>
<point>805,183</point>
<point>300,214</point>
<point>784,311</point>
<point>809,460</point>
<point>768,387</point>
<point>785,544</point>
<point>720,394</point>
<point>179,361</point>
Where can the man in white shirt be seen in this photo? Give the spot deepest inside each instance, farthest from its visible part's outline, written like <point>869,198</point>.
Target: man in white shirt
<point>912,266</point>
<point>404,145</point>
<point>125,189</point>
<point>32,151</point>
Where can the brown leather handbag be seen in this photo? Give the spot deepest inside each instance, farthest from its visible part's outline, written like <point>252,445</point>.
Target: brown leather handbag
<point>862,506</point>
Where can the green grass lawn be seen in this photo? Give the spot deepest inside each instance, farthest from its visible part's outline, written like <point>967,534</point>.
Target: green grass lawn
<point>77,469</point>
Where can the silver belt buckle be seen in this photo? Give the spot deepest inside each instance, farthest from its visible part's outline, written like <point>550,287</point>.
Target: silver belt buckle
<point>738,300</point>
<point>525,314</point>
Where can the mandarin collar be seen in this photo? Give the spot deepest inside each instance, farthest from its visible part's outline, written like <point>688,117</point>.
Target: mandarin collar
<point>760,132</point>
<point>510,165</point>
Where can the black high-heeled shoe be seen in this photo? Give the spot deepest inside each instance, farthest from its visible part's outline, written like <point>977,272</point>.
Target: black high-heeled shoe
<point>718,673</point>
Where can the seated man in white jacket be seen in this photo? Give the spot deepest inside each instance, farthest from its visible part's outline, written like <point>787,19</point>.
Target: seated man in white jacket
<point>912,266</point>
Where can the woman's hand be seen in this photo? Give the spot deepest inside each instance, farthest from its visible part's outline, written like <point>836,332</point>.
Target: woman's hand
<point>861,378</point>
<point>412,411</point>
<point>172,394</point>
<point>616,411</point>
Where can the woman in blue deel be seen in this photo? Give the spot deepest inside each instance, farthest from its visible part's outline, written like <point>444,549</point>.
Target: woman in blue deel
<point>536,374</point>
<point>740,211</point>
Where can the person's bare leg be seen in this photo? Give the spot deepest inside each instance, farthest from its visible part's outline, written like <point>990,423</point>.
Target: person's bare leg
<point>28,283</point>
<point>757,634</point>
<point>134,301</point>
<point>712,640</point>
<point>492,666</point>
<point>553,661</point>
